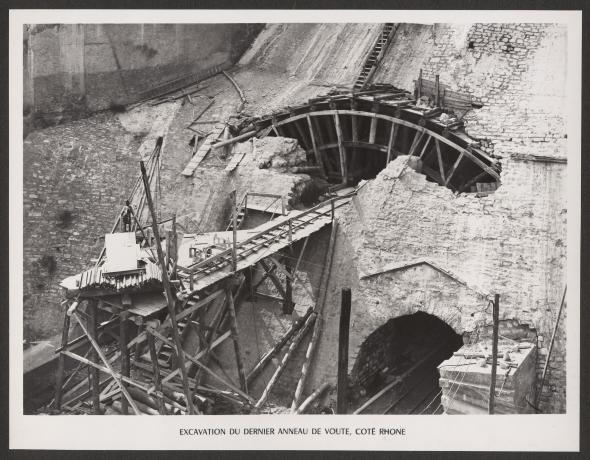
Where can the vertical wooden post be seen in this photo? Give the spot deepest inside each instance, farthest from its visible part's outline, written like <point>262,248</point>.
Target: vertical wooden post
<point>332,208</point>
<point>234,219</point>
<point>495,315</point>
<point>125,365</point>
<point>168,292</point>
<point>290,232</point>
<point>94,372</point>
<point>342,400</point>
<point>174,245</point>
<point>61,362</point>
<point>392,135</point>
<point>235,339</point>
<point>538,396</point>
<point>437,89</point>
<point>316,152</point>
<point>420,85</point>
<point>341,149</point>
<point>139,345</point>
<point>288,300</point>
<point>156,368</point>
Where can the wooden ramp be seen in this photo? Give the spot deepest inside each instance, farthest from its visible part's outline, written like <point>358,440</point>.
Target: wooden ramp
<point>270,238</point>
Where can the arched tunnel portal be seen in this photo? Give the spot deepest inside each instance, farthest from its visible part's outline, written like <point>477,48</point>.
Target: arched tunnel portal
<point>396,366</point>
<point>352,137</point>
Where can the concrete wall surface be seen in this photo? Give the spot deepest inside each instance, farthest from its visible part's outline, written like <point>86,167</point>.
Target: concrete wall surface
<point>73,69</point>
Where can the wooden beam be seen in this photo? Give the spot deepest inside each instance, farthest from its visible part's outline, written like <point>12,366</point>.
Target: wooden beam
<point>61,362</point>
<point>108,367</point>
<point>496,321</point>
<point>472,181</point>
<point>454,168</point>
<point>215,325</point>
<point>156,373</point>
<point>273,278</point>
<point>425,146</point>
<point>235,339</point>
<point>316,152</point>
<point>373,130</point>
<point>125,362</point>
<point>392,137</point>
<point>343,165</point>
<point>269,355</point>
<point>168,292</point>
<point>342,393</point>
<point>417,138</point>
<point>91,311</point>
<point>281,367</point>
<point>440,162</point>
<point>288,304</point>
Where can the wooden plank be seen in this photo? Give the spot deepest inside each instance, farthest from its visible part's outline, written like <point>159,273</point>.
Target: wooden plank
<point>453,169</point>
<point>440,162</point>
<point>343,165</point>
<point>236,340</point>
<point>392,137</point>
<point>281,367</point>
<point>316,152</point>
<point>373,130</point>
<point>426,144</point>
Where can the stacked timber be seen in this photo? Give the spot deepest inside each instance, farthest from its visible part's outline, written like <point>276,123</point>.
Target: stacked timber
<point>465,380</point>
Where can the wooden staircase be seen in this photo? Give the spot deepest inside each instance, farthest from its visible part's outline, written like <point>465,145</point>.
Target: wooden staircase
<point>375,56</point>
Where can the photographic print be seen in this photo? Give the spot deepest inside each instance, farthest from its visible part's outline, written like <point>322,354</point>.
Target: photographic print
<point>295,218</point>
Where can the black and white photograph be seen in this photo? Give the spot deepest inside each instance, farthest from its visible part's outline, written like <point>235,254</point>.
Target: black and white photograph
<point>254,217</point>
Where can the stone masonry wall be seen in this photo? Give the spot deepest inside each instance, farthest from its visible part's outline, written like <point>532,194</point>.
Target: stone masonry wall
<point>74,184</point>
<point>518,72</point>
<point>511,242</point>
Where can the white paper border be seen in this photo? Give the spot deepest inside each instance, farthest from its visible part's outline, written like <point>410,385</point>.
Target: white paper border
<point>501,432</point>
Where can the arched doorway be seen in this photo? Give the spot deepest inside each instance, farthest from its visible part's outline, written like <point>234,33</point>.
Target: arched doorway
<point>395,371</point>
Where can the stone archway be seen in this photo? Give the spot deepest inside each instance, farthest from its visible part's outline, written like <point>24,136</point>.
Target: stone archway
<point>403,354</point>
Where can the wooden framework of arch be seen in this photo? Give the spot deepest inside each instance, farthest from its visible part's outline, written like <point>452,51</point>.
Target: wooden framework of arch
<point>353,138</point>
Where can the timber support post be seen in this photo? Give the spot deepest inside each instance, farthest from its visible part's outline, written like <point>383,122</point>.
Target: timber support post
<point>495,315</point>
<point>61,361</point>
<point>234,224</point>
<point>235,339</point>
<point>125,364</point>
<point>288,299</point>
<point>342,397</point>
<point>168,292</point>
<point>94,372</point>
<point>157,376</point>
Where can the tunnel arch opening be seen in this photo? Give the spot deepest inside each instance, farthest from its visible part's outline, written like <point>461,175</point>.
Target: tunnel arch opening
<point>352,137</point>
<point>395,371</point>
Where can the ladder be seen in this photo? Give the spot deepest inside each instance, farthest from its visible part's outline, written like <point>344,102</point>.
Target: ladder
<point>375,56</point>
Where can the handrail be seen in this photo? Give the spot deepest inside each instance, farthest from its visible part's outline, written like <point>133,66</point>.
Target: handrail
<point>289,221</point>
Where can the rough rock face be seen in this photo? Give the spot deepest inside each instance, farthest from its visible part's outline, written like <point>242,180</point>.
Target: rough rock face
<point>281,153</point>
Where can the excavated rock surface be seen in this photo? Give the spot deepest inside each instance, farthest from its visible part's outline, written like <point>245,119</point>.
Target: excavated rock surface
<point>278,153</point>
